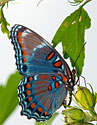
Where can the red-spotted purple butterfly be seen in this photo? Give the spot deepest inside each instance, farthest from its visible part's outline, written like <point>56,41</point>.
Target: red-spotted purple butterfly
<point>47,77</point>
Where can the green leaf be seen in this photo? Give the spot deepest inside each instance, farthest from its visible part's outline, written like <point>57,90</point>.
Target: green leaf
<point>4,1</point>
<point>49,122</point>
<point>96,96</point>
<point>71,33</point>
<point>3,22</point>
<point>8,96</point>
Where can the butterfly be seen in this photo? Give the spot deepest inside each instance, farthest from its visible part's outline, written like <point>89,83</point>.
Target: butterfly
<point>47,78</point>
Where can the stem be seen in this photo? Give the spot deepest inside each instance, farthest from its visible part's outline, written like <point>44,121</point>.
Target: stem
<point>93,118</point>
<point>85,3</point>
<point>92,113</point>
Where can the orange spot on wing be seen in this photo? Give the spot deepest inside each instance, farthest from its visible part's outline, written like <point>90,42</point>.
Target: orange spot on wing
<point>19,39</point>
<point>28,92</point>
<point>33,105</point>
<point>28,85</point>
<point>50,56</point>
<point>57,84</point>
<point>30,99</point>
<point>24,59</point>
<point>24,52</point>
<point>22,45</point>
<point>68,72</point>
<point>64,78</point>
<point>40,109</point>
<point>58,63</point>
<point>53,77</point>
<point>30,78</point>
<point>19,34</point>
<point>49,88</point>
<point>46,113</point>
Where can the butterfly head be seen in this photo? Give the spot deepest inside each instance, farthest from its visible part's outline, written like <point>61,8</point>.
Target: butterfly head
<point>73,75</point>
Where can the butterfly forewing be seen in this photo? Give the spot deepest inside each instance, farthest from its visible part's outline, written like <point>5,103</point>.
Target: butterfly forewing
<point>34,54</point>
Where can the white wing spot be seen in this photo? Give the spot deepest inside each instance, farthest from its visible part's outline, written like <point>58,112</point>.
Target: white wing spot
<point>73,22</point>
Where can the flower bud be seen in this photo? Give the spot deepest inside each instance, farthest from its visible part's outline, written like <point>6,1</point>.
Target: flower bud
<point>85,98</point>
<point>73,115</point>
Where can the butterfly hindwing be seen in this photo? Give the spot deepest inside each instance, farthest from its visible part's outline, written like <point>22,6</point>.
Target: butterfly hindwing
<point>39,95</point>
<point>34,54</point>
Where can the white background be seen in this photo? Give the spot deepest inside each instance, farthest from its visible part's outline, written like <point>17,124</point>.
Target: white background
<point>45,20</point>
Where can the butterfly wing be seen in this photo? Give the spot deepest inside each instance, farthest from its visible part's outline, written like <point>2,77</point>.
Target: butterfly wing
<point>45,84</point>
<point>41,95</point>
<point>34,54</point>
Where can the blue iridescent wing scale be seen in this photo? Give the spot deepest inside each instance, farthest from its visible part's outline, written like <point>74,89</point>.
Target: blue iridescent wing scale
<point>45,84</point>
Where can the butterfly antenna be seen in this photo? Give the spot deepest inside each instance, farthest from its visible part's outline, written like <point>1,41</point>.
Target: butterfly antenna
<point>79,54</point>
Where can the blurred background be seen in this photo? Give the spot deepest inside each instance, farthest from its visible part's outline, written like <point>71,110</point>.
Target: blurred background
<point>45,20</point>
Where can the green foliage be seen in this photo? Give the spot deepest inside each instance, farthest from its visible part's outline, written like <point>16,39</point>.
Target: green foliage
<point>3,21</point>
<point>49,122</point>
<point>85,112</point>
<point>2,2</point>
<point>71,34</point>
<point>96,96</point>
<point>8,96</point>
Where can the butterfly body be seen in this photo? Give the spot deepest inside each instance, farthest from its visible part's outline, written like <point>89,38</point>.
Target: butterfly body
<point>47,77</point>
